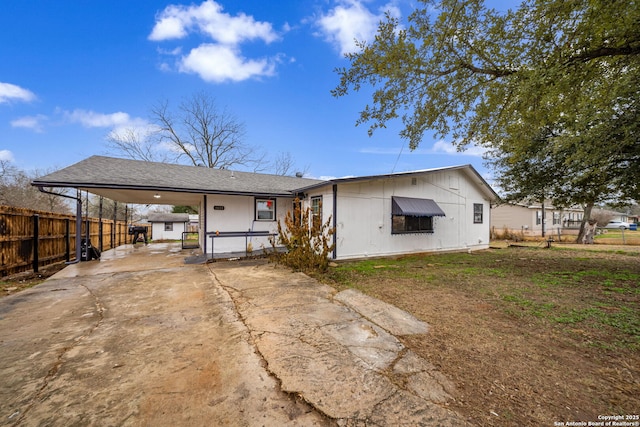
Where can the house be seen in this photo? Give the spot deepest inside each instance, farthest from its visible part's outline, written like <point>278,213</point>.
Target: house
<point>444,209</point>
<point>532,219</point>
<point>611,215</point>
<point>168,226</point>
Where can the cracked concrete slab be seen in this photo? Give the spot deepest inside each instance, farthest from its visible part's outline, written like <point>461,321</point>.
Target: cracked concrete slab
<point>141,338</point>
<point>110,343</point>
<point>338,351</point>
<point>387,316</point>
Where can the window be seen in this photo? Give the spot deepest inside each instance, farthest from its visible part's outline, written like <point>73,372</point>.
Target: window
<point>316,212</point>
<point>265,209</point>
<point>410,215</point>
<point>168,226</point>
<point>538,217</point>
<point>556,218</point>
<point>411,224</point>
<point>477,213</point>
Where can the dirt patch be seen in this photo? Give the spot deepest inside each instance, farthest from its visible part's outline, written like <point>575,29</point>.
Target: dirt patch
<point>529,336</point>
<point>18,282</point>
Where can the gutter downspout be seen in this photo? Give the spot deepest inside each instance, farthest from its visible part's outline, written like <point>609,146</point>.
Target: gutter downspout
<point>204,225</point>
<point>78,200</point>
<point>335,221</point>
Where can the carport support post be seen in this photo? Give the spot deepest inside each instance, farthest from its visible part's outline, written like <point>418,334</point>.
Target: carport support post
<point>78,226</point>
<point>100,242</point>
<point>36,239</point>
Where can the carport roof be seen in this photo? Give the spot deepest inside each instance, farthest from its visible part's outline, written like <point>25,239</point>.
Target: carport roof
<point>134,181</point>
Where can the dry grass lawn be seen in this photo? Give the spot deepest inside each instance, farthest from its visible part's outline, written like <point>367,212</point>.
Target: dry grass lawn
<point>530,336</point>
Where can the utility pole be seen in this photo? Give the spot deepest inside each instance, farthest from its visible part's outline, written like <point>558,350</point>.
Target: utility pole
<point>544,219</point>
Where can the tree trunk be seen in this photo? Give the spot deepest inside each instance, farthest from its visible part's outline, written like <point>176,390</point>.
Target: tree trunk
<point>586,217</point>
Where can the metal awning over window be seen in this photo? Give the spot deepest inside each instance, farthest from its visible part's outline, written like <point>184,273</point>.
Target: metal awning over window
<point>410,206</point>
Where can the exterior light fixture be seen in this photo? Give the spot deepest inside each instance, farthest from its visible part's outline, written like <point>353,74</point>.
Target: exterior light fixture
<point>156,196</point>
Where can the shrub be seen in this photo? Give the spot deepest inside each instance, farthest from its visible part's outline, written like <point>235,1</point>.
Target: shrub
<point>507,234</point>
<point>307,244</point>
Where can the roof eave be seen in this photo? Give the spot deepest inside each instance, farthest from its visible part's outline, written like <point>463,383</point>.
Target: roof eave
<point>88,186</point>
<point>481,182</point>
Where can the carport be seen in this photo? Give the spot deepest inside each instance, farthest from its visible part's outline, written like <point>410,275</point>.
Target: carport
<point>146,183</point>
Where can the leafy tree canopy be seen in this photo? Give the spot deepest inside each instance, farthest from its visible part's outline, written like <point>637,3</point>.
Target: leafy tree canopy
<point>184,209</point>
<point>550,89</point>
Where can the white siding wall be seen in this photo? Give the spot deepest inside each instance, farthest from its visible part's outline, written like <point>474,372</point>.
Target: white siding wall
<point>364,215</point>
<point>238,215</point>
<point>158,232</point>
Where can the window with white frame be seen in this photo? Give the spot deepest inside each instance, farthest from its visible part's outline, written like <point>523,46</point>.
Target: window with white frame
<point>265,209</point>
<point>316,211</point>
<point>477,213</point>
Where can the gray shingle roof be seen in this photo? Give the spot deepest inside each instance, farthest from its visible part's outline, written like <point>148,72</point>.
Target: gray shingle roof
<point>110,172</point>
<point>168,217</point>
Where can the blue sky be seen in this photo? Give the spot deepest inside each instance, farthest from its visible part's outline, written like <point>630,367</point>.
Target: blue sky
<point>73,71</point>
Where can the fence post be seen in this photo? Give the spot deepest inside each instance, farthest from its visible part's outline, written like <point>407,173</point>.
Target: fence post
<point>67,239</point>
<point>36,235</point>
<point>114,241</point>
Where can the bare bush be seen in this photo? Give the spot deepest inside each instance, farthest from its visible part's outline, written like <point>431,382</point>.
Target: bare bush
<point>307,244</point>
<point>601,217</point>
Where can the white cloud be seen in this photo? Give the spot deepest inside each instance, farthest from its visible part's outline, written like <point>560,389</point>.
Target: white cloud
<point>169,25</point>
<point>92,119</point>
<point>120,123</point>
<point>351,21</point>
<point>220,59</point>
<point>217,63</point>
<point>176,21</point>
<point>174,52</point>
<point>6,155</point>
<point>449,148</point>
<point>9,92</point>
<point>439,147</point>
<point>34,123</point>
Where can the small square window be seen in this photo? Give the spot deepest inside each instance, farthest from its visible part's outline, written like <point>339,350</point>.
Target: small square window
<point>168,226</point>
<point>265,209</point>
<point>477,213</point>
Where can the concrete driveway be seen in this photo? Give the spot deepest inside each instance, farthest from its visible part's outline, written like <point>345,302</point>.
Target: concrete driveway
<point>141,338</point>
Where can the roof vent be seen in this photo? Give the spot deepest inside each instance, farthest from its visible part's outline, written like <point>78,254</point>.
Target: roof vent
<point>299,174</point>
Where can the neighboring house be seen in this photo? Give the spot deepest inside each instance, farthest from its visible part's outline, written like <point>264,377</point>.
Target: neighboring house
<point>194,221</point>
<point>445,209</point>
<point>611,215</point>
<point>168,226</point>
<point>532,219</point>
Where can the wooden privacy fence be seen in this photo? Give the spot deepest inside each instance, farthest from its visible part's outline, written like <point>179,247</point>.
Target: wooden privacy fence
<point>31,239</point>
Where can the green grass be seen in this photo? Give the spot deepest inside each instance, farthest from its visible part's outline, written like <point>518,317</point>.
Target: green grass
<point>597,292</point>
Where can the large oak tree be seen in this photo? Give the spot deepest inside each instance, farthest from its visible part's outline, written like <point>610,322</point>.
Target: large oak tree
<point>549,88</point>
